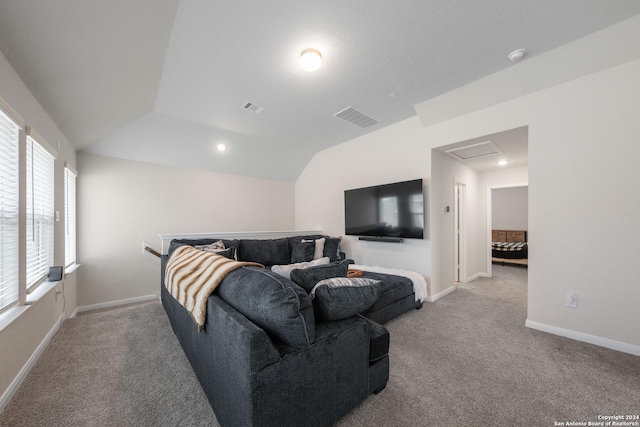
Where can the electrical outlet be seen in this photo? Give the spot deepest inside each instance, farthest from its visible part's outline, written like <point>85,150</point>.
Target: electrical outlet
<point>572,300</point>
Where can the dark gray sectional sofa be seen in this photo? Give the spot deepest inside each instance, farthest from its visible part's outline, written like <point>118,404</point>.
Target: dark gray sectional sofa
<point>262,357</point>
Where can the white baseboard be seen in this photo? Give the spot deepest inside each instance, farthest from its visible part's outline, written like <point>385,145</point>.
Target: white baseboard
<point>17,381</point>
<point>580,336</point>
<point>475,276</point>
<point>441,294</point>
<point>115,303</point>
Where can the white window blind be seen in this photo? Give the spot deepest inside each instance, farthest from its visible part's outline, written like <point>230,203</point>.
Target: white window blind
<point>9,141</point>
<point>69,216</point>
<point>40,213</point>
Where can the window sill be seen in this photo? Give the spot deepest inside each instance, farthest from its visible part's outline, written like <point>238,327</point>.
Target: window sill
<point>11,314</point>
<point>14,312</point>
<point>71,269</point>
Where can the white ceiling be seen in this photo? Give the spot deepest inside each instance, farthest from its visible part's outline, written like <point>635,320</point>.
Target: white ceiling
<point>164,81</point>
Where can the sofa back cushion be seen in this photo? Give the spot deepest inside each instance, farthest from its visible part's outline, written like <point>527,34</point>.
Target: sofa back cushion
<point>275,304</point>
<point>265,252</point>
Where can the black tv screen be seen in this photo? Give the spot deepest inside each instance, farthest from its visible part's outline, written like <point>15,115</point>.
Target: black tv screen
<point>391,210</point>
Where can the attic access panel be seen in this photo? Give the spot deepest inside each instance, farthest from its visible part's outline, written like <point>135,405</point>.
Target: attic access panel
<point>474,151</point>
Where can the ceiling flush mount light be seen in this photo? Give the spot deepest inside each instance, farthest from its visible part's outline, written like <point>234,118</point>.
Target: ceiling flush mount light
<point>310,59</point>
<point>221,147</point>
<point>517,55</point>
<point>502,163</point>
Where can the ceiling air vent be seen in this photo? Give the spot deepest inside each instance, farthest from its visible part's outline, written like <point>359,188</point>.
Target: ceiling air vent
<point>253,107</point>
<point>474,151</point>
<point>355,117</point>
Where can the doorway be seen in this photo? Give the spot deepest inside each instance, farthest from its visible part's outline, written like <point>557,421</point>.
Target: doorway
<point>514,202</point>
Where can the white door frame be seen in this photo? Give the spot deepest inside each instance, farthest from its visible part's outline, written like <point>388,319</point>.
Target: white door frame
<point>459,231</point>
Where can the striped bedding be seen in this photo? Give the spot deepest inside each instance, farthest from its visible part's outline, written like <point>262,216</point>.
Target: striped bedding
<point>192,275</point>
<point>508,246</point>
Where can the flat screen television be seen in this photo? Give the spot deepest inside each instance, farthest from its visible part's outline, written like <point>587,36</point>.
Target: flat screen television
<point>391,210</point>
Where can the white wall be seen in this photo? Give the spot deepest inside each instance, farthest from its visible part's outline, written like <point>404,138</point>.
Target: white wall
<point>395,153</point>
<point>20,339</point>
<point>122,203</point>
<point>509,208</point>
<point>583,193</point>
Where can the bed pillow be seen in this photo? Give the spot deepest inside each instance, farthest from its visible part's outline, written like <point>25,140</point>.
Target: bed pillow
<point>341,297</point>
<point>303,251</point>
<point>308,277</point>
<point>285,270</point>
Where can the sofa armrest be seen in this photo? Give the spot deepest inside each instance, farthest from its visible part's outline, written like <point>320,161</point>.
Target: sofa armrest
<point>223,355</point>
<point>317,385</point>
<point>378,340</point>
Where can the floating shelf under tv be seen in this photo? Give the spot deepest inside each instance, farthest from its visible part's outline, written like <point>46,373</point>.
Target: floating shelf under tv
<point>381,239</point>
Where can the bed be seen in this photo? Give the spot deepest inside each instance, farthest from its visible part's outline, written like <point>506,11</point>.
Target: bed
<point>509,246</point>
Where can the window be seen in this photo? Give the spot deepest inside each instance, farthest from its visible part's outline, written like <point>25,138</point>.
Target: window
<point>9,142</point>
<point>40,211</point>
<point>69,215</point>
<point>389,211</point>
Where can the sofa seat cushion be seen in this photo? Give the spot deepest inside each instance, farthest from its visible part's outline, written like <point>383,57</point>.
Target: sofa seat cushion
<point>340,297</point>
<point>265,252</point>
<point>392,288</point>
<point>277,305</point>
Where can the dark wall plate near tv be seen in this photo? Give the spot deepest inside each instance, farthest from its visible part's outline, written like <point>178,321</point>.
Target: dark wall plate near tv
<point>389,212</point>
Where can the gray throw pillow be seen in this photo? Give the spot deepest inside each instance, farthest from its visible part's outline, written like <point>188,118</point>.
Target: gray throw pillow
<point>332,247</point>
<point>308,277</point>
<point>302,251</point>
<point>339,298</point>
<point>273,303</point>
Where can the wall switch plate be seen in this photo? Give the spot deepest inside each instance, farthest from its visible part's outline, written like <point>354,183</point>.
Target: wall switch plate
<point>572,300</point>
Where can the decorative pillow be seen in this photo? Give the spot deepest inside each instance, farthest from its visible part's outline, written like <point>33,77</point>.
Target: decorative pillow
<point>218,248</point>
<point>332,248</point>
<point>229,252</point>
<point>273,303</point>
<point>218,244</point>
<point>176,243</point>
<point>340,297</point>
<point>308,277</point>
<point>319,247</point>
<point>285,270</point>
<point>302,251</point>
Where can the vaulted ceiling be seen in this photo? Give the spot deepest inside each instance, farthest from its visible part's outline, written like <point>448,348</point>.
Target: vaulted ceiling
<point>165,81</point>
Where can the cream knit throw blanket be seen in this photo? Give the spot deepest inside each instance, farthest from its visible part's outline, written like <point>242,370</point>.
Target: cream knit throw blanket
<point>192,275</point>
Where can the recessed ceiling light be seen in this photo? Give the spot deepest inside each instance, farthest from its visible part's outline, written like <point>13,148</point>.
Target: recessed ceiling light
<point>502,163</point>
<point>310,59</point>
<point>221,147</point>
<point>517,55</point>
